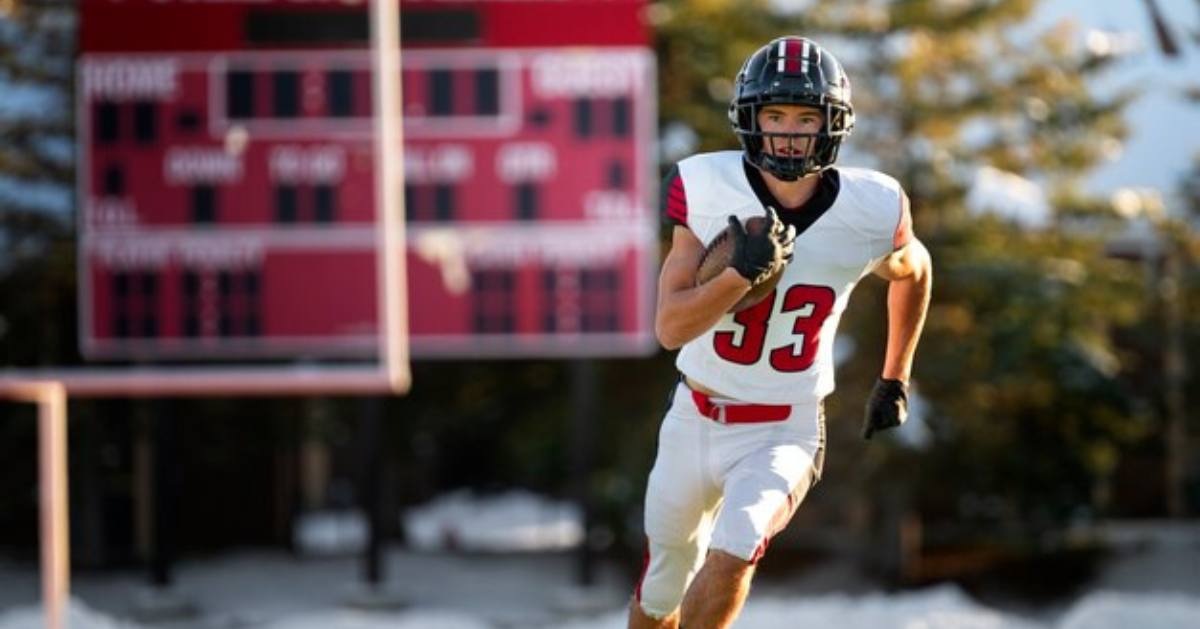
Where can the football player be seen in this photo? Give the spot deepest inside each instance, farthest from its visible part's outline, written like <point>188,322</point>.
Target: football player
<point>744,437</point>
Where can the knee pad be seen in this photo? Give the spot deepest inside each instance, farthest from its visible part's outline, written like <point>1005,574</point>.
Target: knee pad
<point>669,570</point>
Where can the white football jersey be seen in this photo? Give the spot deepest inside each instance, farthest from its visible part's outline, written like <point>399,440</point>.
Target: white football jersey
<point>780,351</point>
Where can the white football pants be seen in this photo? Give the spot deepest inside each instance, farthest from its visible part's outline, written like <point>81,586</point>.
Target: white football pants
<point>728,487</point>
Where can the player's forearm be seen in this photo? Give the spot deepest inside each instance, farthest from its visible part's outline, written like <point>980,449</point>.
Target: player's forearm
<point>686,314</point>
<point>908,303</point>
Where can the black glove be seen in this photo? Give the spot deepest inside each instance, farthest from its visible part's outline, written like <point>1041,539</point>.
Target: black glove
<point>784,234</point>
<point>755,256</point>
<point>887,407</point>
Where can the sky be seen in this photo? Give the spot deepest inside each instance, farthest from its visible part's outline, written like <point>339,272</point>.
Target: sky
<point>1165,127</point>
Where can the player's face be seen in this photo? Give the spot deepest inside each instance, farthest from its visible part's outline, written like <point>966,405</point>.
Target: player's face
<point>778,122</point>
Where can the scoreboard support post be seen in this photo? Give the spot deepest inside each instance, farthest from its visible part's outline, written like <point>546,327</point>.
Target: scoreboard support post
<point>584,386</point>
<point>165,469</point>
<point>371,489</point>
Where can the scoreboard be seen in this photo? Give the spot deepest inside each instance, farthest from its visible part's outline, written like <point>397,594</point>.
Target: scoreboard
<point>227,179</point>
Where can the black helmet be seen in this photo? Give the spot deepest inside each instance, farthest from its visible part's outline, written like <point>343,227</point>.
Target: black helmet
<point>793,71</point>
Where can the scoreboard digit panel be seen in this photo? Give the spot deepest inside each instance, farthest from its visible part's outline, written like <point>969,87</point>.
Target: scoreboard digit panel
<point>202,156</point>
<point>556,291</point>
<point>226,141</point>
<point>176,295</point>
<point>227,178</point>
<point>525,136</point>
<point>527,187</point>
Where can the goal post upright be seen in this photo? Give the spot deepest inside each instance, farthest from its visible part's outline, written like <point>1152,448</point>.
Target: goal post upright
<point>389,177</point>
<point>50,397</point>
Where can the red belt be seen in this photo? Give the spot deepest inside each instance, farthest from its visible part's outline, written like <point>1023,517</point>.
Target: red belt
<point>739,413</point>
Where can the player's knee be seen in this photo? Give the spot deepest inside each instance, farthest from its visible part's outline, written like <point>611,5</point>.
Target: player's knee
<point>669,569</point>
<point>741,536</point>
<point>726,566</point>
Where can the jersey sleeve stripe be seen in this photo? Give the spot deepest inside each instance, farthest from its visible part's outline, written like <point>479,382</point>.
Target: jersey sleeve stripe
<point>676,200</point>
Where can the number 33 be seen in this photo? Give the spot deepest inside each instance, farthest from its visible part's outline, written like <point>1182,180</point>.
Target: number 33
<point>809,307</point>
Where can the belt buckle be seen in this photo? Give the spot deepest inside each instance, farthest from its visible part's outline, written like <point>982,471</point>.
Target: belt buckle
<point>719,414</point>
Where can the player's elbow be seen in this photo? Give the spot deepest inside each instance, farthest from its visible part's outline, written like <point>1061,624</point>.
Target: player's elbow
<point>923,262</point>
<point>671,336</point>
<point>923,271</point>
<point>913,264</point>
<point>669,339</point>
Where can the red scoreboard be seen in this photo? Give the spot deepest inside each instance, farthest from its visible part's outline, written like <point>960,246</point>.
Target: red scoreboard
<point>227,179</point>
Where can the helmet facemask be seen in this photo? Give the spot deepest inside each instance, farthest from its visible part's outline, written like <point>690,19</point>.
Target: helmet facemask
<point>790,156</point>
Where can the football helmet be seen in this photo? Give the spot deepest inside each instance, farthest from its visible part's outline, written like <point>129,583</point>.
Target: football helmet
<point>793,71</point>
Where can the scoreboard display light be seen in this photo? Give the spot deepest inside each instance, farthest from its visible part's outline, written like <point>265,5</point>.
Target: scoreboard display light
<point>228,194</point>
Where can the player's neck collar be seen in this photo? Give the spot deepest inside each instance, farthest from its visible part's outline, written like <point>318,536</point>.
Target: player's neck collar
<point>812,209</point>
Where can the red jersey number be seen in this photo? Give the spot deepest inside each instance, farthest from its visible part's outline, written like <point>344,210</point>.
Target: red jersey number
<point>808,307</point>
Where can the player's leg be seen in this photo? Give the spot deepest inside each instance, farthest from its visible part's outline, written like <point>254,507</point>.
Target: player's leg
<point>639,619</point>
<point>681,502</point>
<point>757,506</point>
<point>763,487</point>
<point>717,595</point>
<point>765,477</point>
<point>755,503</point>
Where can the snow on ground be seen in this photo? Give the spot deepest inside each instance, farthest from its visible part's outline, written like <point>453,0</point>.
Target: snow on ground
<point>512,521</point>
<point>1153,582</point>
<point>940,607</point>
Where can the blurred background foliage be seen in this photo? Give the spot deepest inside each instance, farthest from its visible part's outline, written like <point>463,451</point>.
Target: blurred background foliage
<point>1044,380</point>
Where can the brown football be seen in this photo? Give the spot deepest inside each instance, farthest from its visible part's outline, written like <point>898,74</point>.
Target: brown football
<point>718,255</point>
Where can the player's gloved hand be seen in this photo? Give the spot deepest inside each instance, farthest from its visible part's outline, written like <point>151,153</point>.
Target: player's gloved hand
<point>785,235</point>
<point>756,255</point>
<point>887,407</point>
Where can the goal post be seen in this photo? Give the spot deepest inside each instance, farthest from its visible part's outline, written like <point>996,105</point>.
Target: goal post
<point>50,397</point>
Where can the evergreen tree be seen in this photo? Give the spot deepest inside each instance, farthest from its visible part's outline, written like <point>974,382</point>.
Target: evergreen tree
<point>37,174</point>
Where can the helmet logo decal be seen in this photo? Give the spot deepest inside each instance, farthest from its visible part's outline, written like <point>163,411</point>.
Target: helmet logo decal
<point>793,56</point>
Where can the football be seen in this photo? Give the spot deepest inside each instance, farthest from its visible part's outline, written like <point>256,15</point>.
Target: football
<point>718,255</point>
